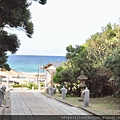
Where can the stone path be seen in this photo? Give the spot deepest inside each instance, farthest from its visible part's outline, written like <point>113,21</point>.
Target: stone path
<point>33,103</point>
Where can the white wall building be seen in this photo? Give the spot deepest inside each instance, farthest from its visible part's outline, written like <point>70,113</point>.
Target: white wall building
<point>50,72</point>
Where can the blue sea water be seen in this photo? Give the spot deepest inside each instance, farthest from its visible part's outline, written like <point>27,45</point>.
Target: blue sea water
<point>30,63</point>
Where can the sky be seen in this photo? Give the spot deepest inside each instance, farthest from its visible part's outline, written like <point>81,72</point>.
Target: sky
<point>60,23</point>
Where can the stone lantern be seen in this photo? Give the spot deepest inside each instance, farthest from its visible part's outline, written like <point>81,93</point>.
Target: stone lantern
<point>82,79</point>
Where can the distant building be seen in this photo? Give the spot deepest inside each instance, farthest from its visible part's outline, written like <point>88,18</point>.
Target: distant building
<point>50,72</point>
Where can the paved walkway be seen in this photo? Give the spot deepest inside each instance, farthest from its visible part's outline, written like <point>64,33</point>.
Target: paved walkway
<point>23,104</point>
<point>26,102</point>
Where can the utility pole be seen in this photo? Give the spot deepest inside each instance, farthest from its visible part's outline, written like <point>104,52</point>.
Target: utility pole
<point>38,73</point>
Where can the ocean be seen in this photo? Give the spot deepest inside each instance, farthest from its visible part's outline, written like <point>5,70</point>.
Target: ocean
<point>30,63</point>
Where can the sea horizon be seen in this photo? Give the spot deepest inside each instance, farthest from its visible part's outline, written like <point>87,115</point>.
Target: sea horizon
<point>32,55</point>
<point>30,63</point>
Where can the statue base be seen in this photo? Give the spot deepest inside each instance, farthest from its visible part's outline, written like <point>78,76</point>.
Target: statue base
<point>88,105</point>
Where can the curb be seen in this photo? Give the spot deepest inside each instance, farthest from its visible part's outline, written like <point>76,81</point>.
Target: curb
<point>91,112</point>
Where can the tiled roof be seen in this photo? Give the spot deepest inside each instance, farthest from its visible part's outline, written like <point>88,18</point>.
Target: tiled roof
<point>55,64</point>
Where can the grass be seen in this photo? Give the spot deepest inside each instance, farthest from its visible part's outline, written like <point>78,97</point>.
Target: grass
<point>101,106</point>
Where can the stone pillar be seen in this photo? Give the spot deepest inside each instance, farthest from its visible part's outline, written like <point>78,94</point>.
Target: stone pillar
<point>64,91</point>
<point>51,90</point>
<point>86,97</point>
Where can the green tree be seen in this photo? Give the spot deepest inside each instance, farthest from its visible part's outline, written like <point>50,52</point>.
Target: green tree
<point>3,60</point>
<point>73,51</point>
<point>57,77</point>
<point>90,58</point>
<point>14,14</point>
<point>100,44</point>
<point>112,63</point>
<point>66,76</point>
<point>77,61</point>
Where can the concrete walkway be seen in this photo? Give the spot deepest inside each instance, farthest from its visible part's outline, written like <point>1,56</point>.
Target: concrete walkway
<point>28,102</point>
<point>33,103</point>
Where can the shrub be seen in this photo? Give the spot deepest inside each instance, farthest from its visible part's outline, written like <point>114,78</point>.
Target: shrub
<point>31,84</point>
<point>42,84</point>
<point>19,85</point>
<point>59,88</point>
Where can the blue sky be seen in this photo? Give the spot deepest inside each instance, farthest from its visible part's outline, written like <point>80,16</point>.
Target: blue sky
<point>60,23</point>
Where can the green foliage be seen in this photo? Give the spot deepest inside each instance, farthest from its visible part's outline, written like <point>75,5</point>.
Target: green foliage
<point>42,2</point>
<point>59,88</point>
<point>112,62</point>
<point>97,58</point>
<point>100,44</point>
<point>19,85</point>
<point>14,14</point>
<point>103,50</point>
<point>8,42</point>
<point>66,76</point>
<point>57,77</point>
<point>3,60</point>
<point>72,52</point>
<point>63,75</point>
<point>42,84</point>
<point>31,84</point>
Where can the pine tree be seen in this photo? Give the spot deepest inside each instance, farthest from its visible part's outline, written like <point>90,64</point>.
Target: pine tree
<point>14,14</point>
